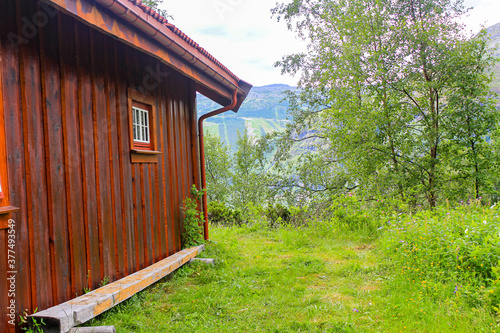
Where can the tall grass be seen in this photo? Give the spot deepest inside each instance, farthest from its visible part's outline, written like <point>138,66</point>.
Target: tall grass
<point>452,254</point>
<point>351,266</point>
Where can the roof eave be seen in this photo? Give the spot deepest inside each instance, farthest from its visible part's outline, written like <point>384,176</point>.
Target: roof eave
<point>213,79</point>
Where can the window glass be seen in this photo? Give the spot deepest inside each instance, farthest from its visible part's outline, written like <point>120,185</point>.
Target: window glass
<point>140,125</point>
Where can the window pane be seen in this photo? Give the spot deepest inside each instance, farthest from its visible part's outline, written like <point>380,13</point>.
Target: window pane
<point>140,125</point>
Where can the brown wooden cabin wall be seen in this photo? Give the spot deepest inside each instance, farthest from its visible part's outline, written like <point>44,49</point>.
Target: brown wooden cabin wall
<point>87,213</point>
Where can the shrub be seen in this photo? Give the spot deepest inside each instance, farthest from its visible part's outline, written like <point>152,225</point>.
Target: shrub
<point>219,213</point>
<point>277,214</point>
<point>193,220</point>
<point>352,213</point>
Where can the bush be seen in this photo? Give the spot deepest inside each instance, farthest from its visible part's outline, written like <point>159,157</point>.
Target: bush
<point>454,253</point>
<point>219,213</point>
<point>193,220</point>
<point>277,215</point>
<point>351,213</point>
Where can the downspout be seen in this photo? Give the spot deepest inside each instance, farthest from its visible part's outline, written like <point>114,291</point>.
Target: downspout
<point>202,154</point>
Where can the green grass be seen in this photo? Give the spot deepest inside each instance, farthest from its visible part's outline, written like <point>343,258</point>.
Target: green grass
<point>312,279</point>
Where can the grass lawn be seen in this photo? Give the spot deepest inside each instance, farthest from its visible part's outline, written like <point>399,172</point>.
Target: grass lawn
<point>292,280</point>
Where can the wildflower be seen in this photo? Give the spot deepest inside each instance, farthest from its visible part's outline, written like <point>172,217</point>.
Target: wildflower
<point>484,222</point>
<point>355,310</point>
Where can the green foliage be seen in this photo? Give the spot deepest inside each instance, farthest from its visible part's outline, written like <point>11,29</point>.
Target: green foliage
<point>394,98</point>
<point>193,220</point>
<point>155,5</point>
<point>218,168</point>
<point>449,253</point>
<point>104,281</point>
<point>221,214</point>
<point>30,324</point>
<point>309,279</point>
<point>278,215</point>
<point>249,178</point>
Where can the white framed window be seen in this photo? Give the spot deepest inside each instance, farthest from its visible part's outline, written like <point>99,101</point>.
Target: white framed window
<point>142,129</point>
<point>140,123</point>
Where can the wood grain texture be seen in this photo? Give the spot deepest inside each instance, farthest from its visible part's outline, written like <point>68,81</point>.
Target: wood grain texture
<point>12,113</point>
<point>87,213</point>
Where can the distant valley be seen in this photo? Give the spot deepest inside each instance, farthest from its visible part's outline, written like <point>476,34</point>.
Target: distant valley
<point>263,111</point>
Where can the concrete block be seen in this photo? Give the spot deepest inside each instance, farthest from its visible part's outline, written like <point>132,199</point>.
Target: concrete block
<point>95,329</point>
<point>208,261</point>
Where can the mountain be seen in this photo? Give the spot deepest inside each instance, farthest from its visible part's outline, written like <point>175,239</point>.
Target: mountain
<point>494,43</point>
<point>263,111</point>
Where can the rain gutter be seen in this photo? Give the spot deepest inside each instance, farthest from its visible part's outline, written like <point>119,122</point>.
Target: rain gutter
<point>202,154</point>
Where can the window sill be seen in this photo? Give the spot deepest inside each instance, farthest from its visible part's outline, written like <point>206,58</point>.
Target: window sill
<point>4,211</point>
<point>8,209</point>
<point>147,152</point>
<point>144,156</point>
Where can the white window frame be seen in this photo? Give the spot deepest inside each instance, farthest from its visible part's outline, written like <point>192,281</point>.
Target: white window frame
<point>140,124</point>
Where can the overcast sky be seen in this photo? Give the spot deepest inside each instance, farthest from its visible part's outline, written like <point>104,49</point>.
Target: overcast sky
<point>245,38</point>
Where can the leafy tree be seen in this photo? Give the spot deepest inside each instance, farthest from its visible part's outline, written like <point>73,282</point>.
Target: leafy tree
<point>249,183</point>
<point>218,164</point>
<point>155,5</point>
<point>394,89</point>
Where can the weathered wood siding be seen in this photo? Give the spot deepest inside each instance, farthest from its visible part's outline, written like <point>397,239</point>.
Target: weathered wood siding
<point>87,213</point>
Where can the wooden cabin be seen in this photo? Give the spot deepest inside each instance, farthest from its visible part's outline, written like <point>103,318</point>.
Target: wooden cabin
<point>98,144</point>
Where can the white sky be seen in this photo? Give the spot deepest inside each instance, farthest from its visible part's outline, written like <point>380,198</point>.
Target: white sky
<point>245,38</point>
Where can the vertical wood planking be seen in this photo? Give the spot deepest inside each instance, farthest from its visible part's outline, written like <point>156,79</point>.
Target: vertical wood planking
<point>114,159</point>
<point>4,301</point>
<point>194,136</point>
<point>54,159</point>
<point>11,106</point>
<point>153,220</point>
<point>139,231</point>
<point>193,116</point>
<point>72,156</point>
<point>84,205</point>
<point>146,235</point>
<point>179,147</point>
<point>158,195</point>
<point>134,223</point>
<point>4,284</point>
<point>174,189</point>
<point>35,167</point>
<point>103,186</point>
<point>186,124</point>
<point>135,82</point>
<point>161,173</point>
<point>90,202</point>
<point>167,170</point>
<point>124,154</point>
